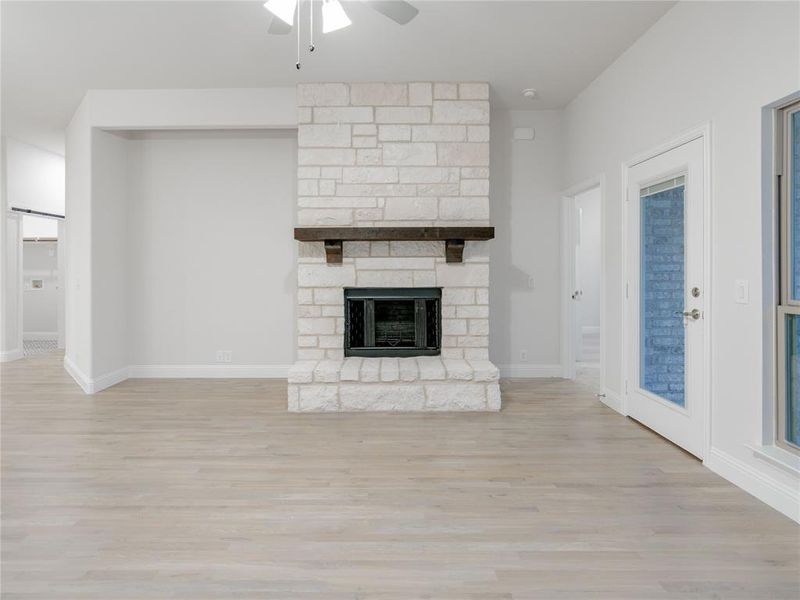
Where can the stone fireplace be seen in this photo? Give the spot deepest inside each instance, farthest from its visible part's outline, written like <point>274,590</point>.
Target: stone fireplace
<point>397,324</point>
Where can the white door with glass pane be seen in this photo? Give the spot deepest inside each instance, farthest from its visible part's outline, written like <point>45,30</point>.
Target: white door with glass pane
<point>665,299</point>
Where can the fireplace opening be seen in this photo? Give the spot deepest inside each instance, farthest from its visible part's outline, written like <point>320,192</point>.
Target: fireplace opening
<point>392,321</point>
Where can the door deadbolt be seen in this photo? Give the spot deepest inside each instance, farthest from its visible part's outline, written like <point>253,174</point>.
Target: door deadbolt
<point>695,292</point>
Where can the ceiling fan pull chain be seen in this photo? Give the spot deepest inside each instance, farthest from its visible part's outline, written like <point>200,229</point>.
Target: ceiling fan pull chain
<point>311,26</point>
<point>297,64</point>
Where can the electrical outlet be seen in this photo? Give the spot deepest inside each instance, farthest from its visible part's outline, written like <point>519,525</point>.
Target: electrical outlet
<point>742,291</point>
<point>224,356</point>
<point>524,133</point>
<point>523,355</point>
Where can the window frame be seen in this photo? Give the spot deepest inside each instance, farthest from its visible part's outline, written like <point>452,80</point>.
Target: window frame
<point>786,304</point>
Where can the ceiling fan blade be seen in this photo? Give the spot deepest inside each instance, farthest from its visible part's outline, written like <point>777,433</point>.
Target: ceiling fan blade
<point>398,11</point>
<point>278,27</point>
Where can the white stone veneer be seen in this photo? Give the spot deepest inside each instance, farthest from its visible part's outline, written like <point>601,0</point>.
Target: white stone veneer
<point>382,155</point>
<point>396,384</point>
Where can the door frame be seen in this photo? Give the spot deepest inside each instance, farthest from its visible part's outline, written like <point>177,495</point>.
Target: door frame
<point>702,132</point>
<point>13,281</point>
<point>568,324</point>
<point>61,269</point>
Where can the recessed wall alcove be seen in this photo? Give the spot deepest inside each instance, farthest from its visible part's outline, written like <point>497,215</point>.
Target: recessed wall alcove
<point>205,230</point>
<point>107,291</point>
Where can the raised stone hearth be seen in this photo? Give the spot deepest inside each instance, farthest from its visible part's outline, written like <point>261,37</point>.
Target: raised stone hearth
<point>393,155</point>
<point>393,384</point>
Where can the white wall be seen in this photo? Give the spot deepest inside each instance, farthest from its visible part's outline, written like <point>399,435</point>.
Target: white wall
<point>89,305</point>
<point>588,259</point>
<point>524,195</point>
<point>110,282</point>
<point>35,178</point>
<point>77,286</point>
<point>10,347</point>
<point>39,227</point>
<point>12,286</point>
<point>211,257</point>
<point>62,272</point>
<point>40,306</point>
<point>717,62</point>
<point>10,271</point>
<point>196,228</point>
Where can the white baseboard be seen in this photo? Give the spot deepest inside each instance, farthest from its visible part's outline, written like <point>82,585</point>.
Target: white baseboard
<point>781,497</point>
<point>109,379</point>
<point>39,335</point>
<point>612,400</point>
<point>92,386</point>
<point>525,371</point>
<point>80,378</point>
<point>771,492</point>
<point>215,371</point>
<point>9,355</point>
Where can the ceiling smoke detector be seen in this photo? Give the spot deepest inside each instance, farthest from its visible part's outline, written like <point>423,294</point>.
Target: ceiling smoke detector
<point>529,93</point>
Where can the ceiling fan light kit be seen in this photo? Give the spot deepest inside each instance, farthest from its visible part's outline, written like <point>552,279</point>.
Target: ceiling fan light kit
<point>283,9</point>
<point>334,16</point>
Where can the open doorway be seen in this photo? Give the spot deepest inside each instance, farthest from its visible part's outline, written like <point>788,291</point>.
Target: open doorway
<point>582,270</point>
<point>588,268</point>
<point>41,286</point>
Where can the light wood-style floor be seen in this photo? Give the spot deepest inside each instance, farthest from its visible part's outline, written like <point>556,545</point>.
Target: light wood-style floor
<point>209,489</point>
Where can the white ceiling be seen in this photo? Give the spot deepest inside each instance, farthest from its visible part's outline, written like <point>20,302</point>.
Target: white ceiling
<point>52,52</point>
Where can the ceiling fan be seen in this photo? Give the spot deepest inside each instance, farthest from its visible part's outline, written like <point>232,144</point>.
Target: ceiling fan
<point>334,16</point>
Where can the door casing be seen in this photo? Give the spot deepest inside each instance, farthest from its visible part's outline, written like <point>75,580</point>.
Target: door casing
<point>568,317</point>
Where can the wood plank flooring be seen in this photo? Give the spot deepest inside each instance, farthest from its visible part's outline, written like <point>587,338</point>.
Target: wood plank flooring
<point>210,489</point>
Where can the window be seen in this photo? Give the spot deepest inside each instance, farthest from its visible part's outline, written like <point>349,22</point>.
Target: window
<point>788,313</point>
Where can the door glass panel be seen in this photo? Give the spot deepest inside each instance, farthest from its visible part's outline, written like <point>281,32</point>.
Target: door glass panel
<point>794,194</point>
<point>792,379</point>
<point>661,325</point>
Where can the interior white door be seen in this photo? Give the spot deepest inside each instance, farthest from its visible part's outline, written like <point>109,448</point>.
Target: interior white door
<point>665,299</point>
<point>577,292</point>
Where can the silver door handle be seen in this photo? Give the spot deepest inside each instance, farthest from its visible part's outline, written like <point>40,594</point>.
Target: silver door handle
<point>692,314</point>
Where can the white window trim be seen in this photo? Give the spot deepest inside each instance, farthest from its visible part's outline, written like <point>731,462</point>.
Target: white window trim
<point>776,449</point>
<point>778,457</point>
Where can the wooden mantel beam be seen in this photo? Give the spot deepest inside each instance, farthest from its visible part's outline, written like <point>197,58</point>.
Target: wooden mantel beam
<point>453,237</point>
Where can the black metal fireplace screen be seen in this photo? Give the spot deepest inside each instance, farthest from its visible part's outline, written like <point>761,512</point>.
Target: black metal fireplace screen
<point>392,321</point>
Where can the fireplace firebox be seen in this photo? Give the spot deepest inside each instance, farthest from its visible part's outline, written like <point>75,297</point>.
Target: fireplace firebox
<point>392,321</point>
